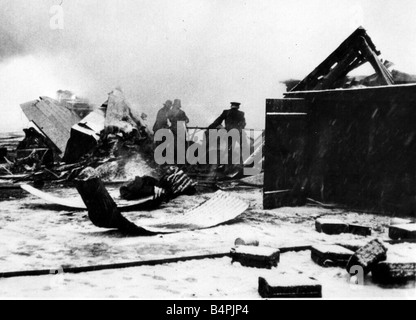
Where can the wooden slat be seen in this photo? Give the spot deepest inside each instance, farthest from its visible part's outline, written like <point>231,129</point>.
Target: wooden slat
<point>54,120</point>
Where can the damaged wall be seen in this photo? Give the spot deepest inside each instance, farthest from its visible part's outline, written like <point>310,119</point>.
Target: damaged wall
<point>355,147</point>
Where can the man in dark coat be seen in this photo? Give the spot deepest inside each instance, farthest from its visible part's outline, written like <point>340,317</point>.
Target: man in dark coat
<point>233,119</point>
<point>162,117</point>
<point>175,115</point>
<point>178,119</point>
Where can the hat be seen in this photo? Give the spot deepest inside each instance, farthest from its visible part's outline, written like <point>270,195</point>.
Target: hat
<point>235,104</point>
<point>168,103</point>
<point>177,103</point>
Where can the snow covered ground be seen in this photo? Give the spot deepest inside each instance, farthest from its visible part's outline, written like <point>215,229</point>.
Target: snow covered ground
<point>34,235</point>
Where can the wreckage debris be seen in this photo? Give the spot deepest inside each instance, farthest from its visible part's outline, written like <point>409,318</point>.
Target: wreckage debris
<point>394,272</point>
<point>102,210</point>
<point>120,117</point>
<point>219,209</point>
<point>52,119</point>
<point>256,257</point>
<point>104,213</point>
<point>331,226</point>
<point>76,203</point>
<point>368,256</point>
<point>74,132</point>
<point>3,155</point>
<point>403,232</point>
<point>282,287</point>
<point>331,255</point>
<point>172,184</point>
<point>355,51</point>
<point>85,136</point>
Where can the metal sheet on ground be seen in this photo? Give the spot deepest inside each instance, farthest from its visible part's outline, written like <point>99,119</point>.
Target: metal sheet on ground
<point>77,202</point>
<point>220,209</point>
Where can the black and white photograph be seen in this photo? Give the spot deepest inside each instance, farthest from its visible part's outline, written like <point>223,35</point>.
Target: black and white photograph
<point>210,155</point>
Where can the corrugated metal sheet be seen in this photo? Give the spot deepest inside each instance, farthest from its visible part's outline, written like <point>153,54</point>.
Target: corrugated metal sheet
<point>54,120</point>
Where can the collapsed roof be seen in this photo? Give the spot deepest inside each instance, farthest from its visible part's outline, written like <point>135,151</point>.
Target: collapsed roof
<point>355,51</point>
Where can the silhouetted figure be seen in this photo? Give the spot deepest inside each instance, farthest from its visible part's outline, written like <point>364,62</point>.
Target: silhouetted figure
<point>233,119</point>
<point>175,115</point>
<point>162,117</point>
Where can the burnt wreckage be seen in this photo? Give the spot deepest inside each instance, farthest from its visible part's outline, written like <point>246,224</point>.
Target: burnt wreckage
<point>346,140</point>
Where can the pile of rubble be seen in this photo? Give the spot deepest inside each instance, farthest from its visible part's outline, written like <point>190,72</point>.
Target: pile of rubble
<point>66,137</point>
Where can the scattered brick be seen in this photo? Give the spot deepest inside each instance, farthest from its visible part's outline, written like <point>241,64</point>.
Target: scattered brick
<point>359,230</point>
<point>331,255</point>
<point>285,287</point>
<point>403,232</point>
<point>394,272</point>
<point>331,227</point>
<point>369,256</point>
<point>256,257</point>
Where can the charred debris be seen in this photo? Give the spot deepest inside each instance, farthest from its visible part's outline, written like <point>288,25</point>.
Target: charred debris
<point>68,135</point>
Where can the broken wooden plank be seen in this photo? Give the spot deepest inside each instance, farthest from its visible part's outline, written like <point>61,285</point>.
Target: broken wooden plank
<point>256,257</point>
<point>331,255</point>
<point>394,272</point>
<point>351,46</point>
<point>403,232</point>
<point>331,226</point>
<point>368,256</point>
<point>52,119</point>
<point>284,287</point>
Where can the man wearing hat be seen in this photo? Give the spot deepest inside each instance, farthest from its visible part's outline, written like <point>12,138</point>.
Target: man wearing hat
<point>162,117</point>
<point>234,119</point>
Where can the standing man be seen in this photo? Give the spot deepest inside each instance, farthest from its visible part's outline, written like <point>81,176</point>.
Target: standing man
<point>175,115</point>
<point>178,125</point>
<point>162,117</point>
<point>234,119</point>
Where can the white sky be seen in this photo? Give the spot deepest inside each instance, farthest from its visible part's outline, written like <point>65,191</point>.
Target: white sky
<point>206,52</point>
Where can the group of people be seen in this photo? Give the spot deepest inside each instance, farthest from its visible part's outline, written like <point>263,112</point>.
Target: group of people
<point>171,114</point>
